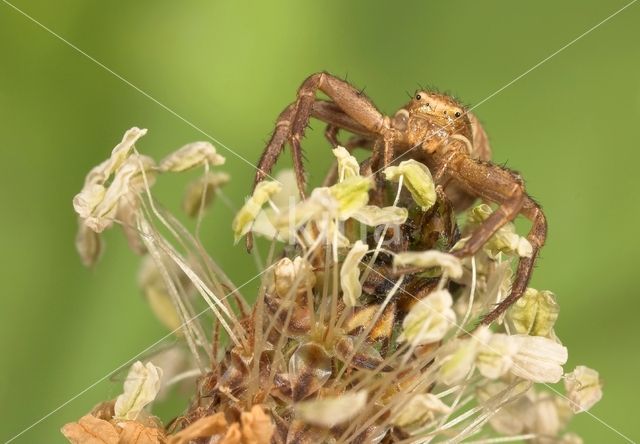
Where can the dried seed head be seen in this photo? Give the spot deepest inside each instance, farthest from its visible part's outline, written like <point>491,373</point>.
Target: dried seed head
<point>322,369</point>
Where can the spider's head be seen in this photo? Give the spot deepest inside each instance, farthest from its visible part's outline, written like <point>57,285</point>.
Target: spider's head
<point>431,118</point>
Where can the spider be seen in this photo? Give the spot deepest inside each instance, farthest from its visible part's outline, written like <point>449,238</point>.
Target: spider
<point>433,129</point>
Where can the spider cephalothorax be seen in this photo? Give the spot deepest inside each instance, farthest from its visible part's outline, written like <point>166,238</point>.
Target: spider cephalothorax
<point>429,120</point>
<point>433,129</point>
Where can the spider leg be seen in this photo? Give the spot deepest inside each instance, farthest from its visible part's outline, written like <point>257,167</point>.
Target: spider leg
<point>494,183</point>
<point>275,145</point>
<point>357,113</point>
<point>331,113</point>
<point>481,149</point>
<point>536,237</point>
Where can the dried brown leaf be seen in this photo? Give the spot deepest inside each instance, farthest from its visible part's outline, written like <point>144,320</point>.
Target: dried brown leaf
<point>202,428</point>
<point>134,432</point>
<point>90,430</point>
<point>233,435</point>
<point>257,427</point>
<point>104,410</point>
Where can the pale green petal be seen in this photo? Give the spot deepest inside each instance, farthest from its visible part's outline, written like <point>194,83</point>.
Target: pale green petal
<point>248,213</point>
<point>506,240</point>
<point>347,164</point>
<point>374,216</point>
<point>417,179</point>
<point>455,360</point>
<point>429,259</point>
<point>535,313</point>
<point>351,194</point>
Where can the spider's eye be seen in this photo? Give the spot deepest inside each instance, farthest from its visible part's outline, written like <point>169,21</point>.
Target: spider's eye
<point>457,114</point>
<point>418,97</point>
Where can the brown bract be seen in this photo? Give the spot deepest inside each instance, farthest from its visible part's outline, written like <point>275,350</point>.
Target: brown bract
<point>255,427</point>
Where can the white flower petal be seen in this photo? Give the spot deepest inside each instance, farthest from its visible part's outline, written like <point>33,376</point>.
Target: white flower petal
<point>495,358</point>
<point>350,274</point>
<point>538,359</point>
<point>140,388</point>
<point>429,319</point>
<point>86,200</point>
<point>328,412</point>
<point>584,388</point>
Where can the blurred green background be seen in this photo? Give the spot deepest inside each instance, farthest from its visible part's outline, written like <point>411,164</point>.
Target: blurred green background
<point>229,68</point>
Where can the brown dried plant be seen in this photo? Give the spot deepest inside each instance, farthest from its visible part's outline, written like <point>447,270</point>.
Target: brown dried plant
<point>365,328</point>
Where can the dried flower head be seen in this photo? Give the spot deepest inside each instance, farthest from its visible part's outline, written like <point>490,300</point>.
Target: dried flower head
<point>363,329</point>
